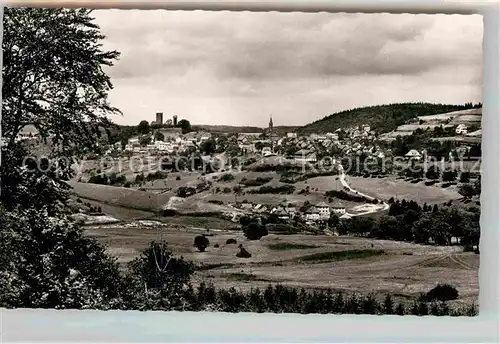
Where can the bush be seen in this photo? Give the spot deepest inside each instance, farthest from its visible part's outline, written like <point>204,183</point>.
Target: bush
<point>178,178</point>
<point>230,241</point>
<point>185,191</point>
<point>227,177</point>
<point>256,182</point>
<point>201,242</point>
<point>442,292</point>
<point>243,253</point>
<point>255,231</point>
<point>169,212</point>
<point>282,189</point>
<point>216,245</point>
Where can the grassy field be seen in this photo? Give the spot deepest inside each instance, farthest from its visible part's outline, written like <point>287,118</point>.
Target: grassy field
<point>386,188</point>
<point>119,196</point>
<point>320,261</point>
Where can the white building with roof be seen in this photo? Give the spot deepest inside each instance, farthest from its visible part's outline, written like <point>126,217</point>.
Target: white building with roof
<point>461,129</point>
<point>413,154</point>
<point>323,210</point>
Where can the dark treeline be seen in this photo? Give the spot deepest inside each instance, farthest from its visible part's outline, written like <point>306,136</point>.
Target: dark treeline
<point>382,118</point>
<point>408,221</point>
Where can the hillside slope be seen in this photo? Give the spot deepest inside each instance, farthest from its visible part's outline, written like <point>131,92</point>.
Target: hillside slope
<point>382,118</point>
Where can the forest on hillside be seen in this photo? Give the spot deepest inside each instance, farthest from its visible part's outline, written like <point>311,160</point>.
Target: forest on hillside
<point>382,118</point>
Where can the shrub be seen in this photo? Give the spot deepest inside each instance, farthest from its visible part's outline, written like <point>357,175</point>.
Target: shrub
<point>178,178</point>
<point>243,253</point>
<point>201,242</point>
<point>256,182</point>
<point>230,241</point>
<point>465,177</point>
<point>169,212</point>
<point>282,189</point>
<point>227,190</point>
<point>216,245</point>
<point>255,231</point>
<point>227,177</point>
<point>215,201</point>
<point>442,292</point>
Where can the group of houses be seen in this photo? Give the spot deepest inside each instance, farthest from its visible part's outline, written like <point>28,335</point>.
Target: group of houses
<point>173,142</point>
<point>288,211</point>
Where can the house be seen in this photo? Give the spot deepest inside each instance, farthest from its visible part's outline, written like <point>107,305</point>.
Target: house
<point>246,206</point>
<point>461,129</point>
<point>260,208</point>
<point>345,216</point>
<point>366,128</point>
<point>266,151</point>
<point>291,135</point>
<point>312,214</point>
<point>173,133</point>
<point>413,154</point>
<point>28,132</point>
<point>304,155</point>
<point>324,210</point>
<point>282,214</point>
<point>338,209</point>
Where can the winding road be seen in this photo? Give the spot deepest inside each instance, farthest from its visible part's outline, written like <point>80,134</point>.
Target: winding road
<point>384,207</point>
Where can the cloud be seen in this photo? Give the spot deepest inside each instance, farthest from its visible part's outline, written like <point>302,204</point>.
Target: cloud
<point>226,61</point>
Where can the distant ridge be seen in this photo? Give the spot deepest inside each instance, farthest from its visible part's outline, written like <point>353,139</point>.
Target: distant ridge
<point>243,129</point>
<point>382,118</point>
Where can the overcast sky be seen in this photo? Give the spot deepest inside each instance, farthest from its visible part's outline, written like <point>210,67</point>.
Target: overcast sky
<point>238,68</point>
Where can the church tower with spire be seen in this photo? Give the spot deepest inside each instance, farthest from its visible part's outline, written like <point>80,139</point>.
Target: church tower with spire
<point>270,129</point>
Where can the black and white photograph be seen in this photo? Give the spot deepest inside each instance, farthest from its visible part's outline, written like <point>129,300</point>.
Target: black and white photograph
<point>223,161</point>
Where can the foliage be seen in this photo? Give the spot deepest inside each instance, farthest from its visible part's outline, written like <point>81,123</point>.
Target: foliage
<point>185,126</point>
<point>208,147</point>
<point>341,194</point>
<point>442,292</point>
<point>282,189</point>
<point>382,118</point>
<point>53,78</point>
<point>286,246</point>
<point>256,182</point>
<point>145,140</point>
<point>143,127</point>
<point>185,191</point>
<point>226,177</point>
<point>47,262</point>
<point>156,279</point>
<point>159,136</point>
<point>201,242</point>
<point>255,231</point>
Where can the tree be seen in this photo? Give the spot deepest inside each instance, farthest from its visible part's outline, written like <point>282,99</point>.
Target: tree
<point>442,292</point>
<point>156,279</point>
<point>143,128</point>
<point>208,147</point>
<point>201,242</point>
<point>449,176</point>
<point>433,172</point>
<point>159,136</point>
<point>255,231</point>
<point>237,189</point>
<point>48,262</point>
<point>145,140</point>
<point>184,125</point>
<point>53,78</point>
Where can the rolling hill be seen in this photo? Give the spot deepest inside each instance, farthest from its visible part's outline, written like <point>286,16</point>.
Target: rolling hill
<point>382,118</point>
